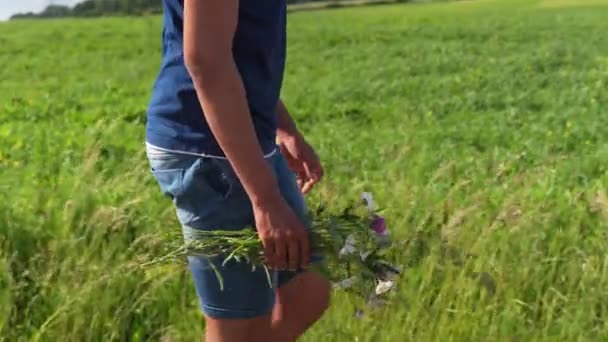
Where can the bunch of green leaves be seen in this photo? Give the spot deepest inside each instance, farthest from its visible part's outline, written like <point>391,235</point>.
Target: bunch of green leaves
<point>330,229</point>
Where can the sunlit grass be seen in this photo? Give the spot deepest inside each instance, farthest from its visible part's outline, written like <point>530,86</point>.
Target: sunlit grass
<point>481,132</point>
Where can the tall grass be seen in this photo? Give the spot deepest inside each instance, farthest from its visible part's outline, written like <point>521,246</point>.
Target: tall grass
<point>479,126</point>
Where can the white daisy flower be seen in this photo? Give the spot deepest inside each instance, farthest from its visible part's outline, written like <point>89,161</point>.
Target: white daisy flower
<point>384,286</point>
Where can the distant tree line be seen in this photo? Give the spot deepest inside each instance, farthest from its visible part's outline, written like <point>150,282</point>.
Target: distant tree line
<point>96,8</point>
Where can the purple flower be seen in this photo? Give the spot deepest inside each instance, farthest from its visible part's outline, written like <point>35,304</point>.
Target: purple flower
<point>379,225</point>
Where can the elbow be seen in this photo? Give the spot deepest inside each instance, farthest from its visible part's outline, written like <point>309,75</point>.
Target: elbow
<point>204,67</point>
<point>195,62</point>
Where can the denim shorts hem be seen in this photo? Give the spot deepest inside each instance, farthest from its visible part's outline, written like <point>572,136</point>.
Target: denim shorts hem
<point>220,313</point>
<point>285,277</point>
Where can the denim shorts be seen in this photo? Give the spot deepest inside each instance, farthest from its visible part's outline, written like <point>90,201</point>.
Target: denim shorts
<point>207,195</point>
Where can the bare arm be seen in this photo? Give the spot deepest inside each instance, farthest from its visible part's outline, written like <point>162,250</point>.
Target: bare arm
<point>300,156</point>
<point>209,28</point>
<point>286,127</point>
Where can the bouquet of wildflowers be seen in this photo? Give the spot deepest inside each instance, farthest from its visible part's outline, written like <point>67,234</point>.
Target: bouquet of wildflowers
<point>354,243</point>
<point>362,262</point>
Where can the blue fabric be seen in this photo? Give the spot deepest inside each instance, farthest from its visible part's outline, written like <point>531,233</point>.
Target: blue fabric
<point>207,195</point>
<point>175,118</point>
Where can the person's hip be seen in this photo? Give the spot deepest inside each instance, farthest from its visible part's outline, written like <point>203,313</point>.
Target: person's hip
<point>207,193</point>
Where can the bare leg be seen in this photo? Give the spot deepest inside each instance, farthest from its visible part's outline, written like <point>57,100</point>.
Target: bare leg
<point>239,330</point>
<point>300,303</point>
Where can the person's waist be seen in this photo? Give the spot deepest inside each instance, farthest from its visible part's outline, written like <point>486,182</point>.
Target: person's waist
<point>175,87</point>
<point>164,151</point>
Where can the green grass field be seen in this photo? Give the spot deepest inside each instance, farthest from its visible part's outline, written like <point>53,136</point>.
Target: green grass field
<point>480,126</point>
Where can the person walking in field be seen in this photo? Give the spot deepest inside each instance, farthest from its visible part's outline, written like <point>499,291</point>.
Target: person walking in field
<point>212,124</point>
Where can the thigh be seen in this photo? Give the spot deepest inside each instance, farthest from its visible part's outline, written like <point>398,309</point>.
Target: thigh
<point>242,293</point>
<point>207,196</point>
<point>300,303</point>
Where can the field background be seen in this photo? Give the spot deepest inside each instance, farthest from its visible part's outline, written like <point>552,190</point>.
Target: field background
<point>480,126</point>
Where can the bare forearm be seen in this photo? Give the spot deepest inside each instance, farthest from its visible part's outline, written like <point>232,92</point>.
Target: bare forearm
<point>222,96</point>
<point>286,127</point>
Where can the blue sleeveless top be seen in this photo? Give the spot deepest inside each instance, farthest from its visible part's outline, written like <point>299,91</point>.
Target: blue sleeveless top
<point>175,120</point>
